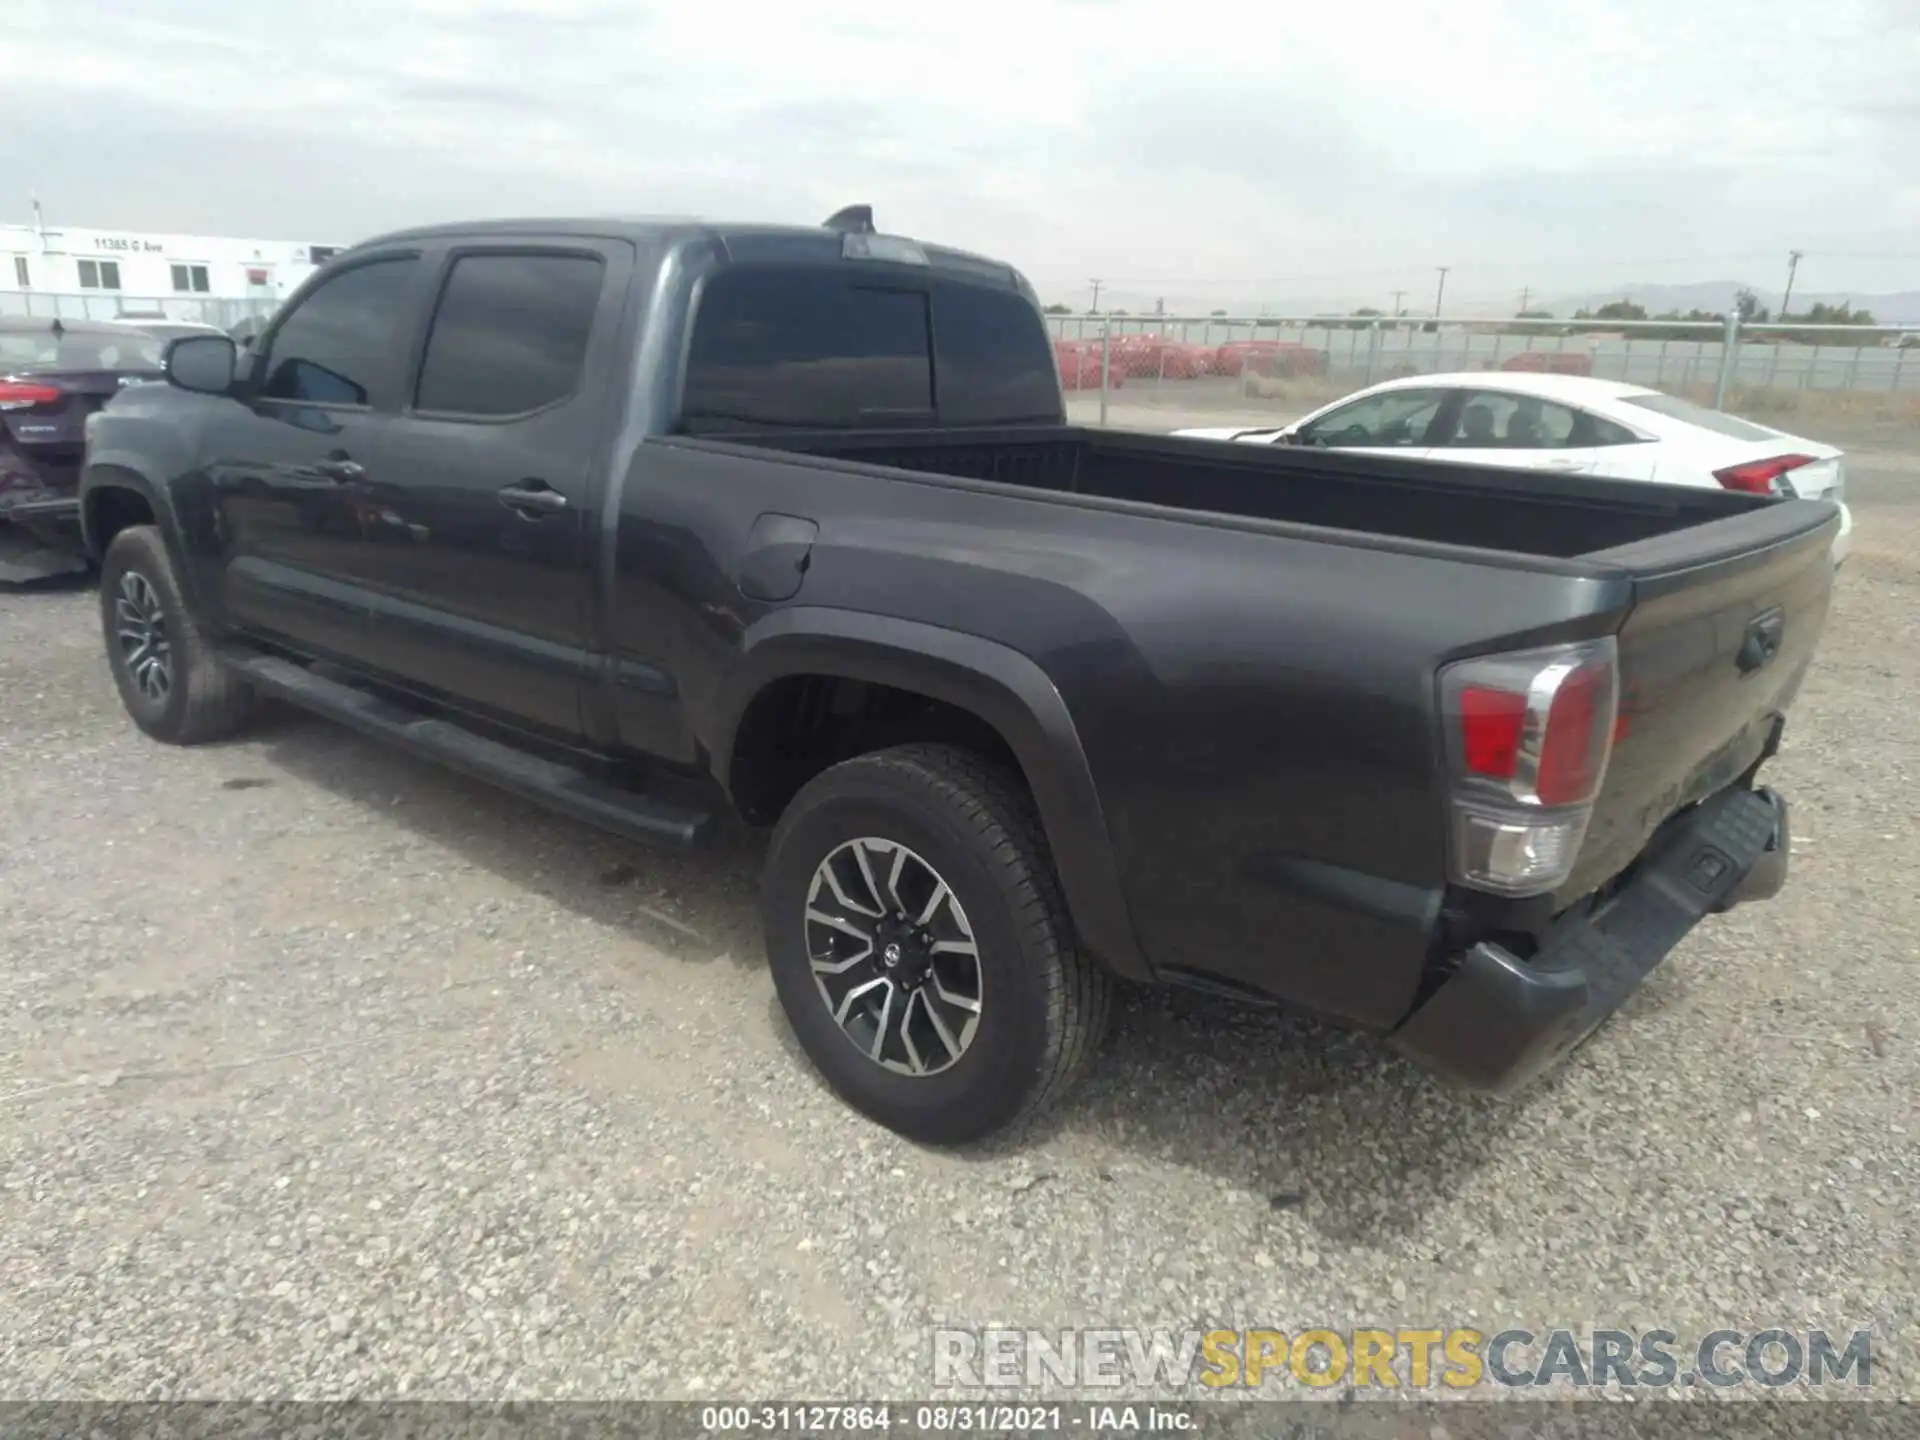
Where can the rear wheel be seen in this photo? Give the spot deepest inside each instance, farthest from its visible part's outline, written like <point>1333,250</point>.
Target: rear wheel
<point>920,946</point>
<point>172,684</point>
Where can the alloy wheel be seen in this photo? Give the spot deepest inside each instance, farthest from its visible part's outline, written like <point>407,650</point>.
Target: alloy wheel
<point>893,956</point>
<point>140,626</point>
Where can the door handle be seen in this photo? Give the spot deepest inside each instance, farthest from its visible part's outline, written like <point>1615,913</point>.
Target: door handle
<point>533,498</point>
<point>342,470</point>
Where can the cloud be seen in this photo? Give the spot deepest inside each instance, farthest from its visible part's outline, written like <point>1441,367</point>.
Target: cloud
<point>1218,149</point>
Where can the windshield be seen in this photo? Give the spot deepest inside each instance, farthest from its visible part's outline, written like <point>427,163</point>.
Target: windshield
<point>1718,421</point>
<point>43,350</point>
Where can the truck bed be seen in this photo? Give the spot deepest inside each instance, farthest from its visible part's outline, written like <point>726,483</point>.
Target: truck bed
<point>1480,506</point>
<point>1344,583</point>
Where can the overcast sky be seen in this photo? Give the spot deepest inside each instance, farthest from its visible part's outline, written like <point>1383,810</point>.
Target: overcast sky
<point>1205,150</point>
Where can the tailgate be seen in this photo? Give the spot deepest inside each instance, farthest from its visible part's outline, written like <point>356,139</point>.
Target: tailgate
<point>1725,620</point>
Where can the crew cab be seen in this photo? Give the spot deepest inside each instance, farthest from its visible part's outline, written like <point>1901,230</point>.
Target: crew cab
<point>648,522</point>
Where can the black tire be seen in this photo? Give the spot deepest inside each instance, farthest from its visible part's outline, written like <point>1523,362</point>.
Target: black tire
<point>202,699</point>
<point>1042,1004</point>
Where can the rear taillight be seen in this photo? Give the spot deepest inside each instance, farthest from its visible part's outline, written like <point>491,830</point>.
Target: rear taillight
<point>20,395</point>
<point>1528,739</point>
<point>1762,477</point>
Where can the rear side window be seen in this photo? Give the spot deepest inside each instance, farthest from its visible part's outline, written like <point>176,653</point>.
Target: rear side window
<point>337,345</point>
<point>808,348</point>
<point>510,334</point>
<point>1605,432</point>
<point>995,360</point>
<point>1500,420</point>
<point>1718,421</point>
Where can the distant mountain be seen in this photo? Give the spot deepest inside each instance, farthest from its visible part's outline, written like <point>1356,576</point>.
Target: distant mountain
<point>1902,308</point>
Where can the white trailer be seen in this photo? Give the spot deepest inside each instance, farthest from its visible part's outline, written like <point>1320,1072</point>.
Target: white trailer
<point>101,274</point>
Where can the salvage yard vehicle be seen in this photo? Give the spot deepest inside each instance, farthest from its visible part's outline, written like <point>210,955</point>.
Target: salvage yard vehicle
<point>54,373</point>
<point>646,521</point>
<point>1568,424</point>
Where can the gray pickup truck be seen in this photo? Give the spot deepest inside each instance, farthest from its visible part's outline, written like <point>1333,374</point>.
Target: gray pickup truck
<point>648,521</point>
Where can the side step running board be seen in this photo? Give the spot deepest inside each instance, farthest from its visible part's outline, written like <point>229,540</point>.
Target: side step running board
<point>545,782</point>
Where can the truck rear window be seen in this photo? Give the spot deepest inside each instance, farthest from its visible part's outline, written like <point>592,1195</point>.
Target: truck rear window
<point>829,347</point>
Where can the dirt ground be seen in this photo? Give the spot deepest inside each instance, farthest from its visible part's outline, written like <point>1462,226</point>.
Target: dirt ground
<point>326,1073</point>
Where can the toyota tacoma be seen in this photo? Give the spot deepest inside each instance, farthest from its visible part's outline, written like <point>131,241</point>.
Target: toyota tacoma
<point>647,521</point>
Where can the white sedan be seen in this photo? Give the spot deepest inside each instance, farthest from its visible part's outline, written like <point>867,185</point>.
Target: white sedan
<point>1569,425</point>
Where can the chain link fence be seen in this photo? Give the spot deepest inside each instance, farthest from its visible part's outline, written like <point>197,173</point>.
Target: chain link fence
<point>1276,364</point>
<point>1253,364</point>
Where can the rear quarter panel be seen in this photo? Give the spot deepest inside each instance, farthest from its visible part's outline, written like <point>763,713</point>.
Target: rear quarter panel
<point>1257,709</point>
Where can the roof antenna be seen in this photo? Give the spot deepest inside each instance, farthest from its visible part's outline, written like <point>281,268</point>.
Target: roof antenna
<point>853,220</point>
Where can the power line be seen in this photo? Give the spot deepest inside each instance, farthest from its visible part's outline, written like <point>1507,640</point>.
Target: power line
<point>1871,254</point>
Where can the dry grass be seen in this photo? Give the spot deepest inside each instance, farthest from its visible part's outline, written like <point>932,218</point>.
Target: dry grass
<point>1305,392</point>
<point>1877,406</point>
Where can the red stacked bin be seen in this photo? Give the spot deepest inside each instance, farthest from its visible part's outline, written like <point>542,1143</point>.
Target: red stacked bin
<point>1079,365</point>
<point>1154,357</point>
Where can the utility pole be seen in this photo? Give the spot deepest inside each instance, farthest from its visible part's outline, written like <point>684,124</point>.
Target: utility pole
<point>1793,264</point>
<point>1526,294</point>
<point>1441,293</point>
<point>1396,301</point>
<point>1096,297</point>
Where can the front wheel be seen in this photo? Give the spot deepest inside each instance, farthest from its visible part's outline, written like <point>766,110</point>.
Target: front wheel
<point>172,684</point>
<point>920,946</point>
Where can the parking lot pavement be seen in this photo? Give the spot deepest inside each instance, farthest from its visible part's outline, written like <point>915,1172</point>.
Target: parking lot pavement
<point>324,1072</point>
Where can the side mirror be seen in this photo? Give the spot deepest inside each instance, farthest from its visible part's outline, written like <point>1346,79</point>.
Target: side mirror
<point>204,364</point>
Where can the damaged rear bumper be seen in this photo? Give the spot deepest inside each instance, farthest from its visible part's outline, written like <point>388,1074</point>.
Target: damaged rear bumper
<point>1498,1020</point>
<point>40,535</point>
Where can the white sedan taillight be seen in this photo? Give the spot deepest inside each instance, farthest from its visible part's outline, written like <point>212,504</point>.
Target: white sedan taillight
<point>1528,738</point>
<point>1763,477</point>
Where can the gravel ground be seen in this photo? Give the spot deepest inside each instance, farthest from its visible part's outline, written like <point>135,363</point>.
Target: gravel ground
<point>323,1072</point>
